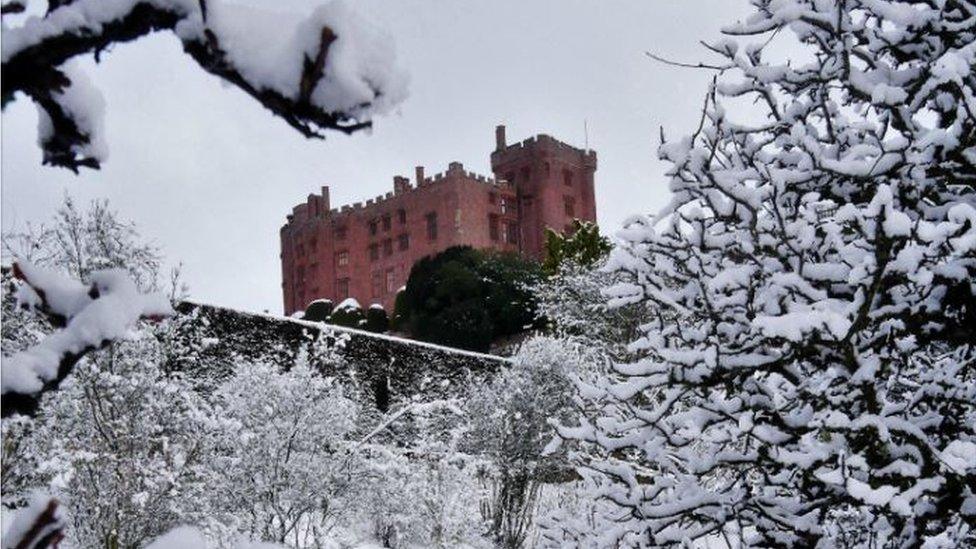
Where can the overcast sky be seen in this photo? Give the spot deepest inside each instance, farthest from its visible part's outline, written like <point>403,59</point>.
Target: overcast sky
<point>209,175</point>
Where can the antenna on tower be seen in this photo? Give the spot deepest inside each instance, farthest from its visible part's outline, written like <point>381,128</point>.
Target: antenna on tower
<point>586,137</point>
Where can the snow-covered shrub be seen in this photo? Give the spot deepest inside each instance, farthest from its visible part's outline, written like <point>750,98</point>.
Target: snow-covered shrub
<point>573,304</point>
<point>377,321</point>
<point>286,468</point>
<point>348,313</point>
<point>415,499</point>
<point>815,383</point>
<point>123,446</point>
<point>318,310</point>
<point>421,490</point>
<point>510,427</point>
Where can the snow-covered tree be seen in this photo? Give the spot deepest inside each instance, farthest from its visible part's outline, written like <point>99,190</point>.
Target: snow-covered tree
<point>510,427</point>
<point>286,468</point>
<point>572,302</point>
<point>79,242</point>
<point>86,274</point>
<point>124,446</point>
<point>813,382</point>
<point>420,490</point>
<point>329,70</point>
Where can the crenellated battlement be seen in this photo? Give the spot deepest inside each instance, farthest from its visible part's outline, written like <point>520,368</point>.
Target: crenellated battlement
<point>539,142</point>
<point>307,211</point>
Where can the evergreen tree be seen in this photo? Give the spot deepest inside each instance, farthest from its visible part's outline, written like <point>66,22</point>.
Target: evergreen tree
<point>466,298</point>
<point>583,246</point>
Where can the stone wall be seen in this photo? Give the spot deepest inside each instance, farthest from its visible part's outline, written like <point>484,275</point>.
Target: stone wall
<point>391,369</point>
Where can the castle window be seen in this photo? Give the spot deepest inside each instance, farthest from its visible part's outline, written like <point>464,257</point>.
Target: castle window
<point>387,247</point>
<point>377,284</point>
<point>374,252</point>
<point>567,178</point>
<point>386,222</point>
<point>505,205</point>
<point>372,228</point>
<point>569,205</point>
<point>342,258</point>
<point>404,242</point>
<point>402,216</point>
<point>342,288</point>
<point>548,169</point>
<point>390,281</point>
<point>511,233</point>
<point>340,232</point>
<point>493,227</point>
<point>431,226</point>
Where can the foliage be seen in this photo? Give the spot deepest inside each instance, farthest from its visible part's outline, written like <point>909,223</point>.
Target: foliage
<point>814,383</point>
<point>348,314</point>
<point>376,320</point>
<point>466,298</point>
<point>582,246</point>
<point>318,311</point>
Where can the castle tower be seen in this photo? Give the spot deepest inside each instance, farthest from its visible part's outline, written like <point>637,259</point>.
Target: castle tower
<point>554,185</point>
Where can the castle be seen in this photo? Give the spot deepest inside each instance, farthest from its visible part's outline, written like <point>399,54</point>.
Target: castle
<point>366,251</point>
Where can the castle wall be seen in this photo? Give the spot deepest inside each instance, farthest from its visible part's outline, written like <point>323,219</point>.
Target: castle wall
<point>366,250</point>
<point>340,254</point>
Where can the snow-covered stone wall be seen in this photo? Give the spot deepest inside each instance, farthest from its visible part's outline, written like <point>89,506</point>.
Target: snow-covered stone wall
<point>394,370</point>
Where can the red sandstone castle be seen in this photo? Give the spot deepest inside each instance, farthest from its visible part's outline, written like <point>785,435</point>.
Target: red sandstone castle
<point>365,251</point>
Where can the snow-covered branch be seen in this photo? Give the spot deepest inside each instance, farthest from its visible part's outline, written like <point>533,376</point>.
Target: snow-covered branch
<point>89,317</point>
<point>330,70</point>
<point>812,381</point>
<point>39,525</point>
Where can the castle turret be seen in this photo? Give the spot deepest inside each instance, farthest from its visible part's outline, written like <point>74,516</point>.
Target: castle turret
<point>554,185</point>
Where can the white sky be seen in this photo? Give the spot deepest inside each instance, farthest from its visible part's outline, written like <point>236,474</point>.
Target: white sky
<point>209,175</point>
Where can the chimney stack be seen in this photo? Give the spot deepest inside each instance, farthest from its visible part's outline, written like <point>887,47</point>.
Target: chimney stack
<point>400,184</point>
<point>499,137</point>
<point>420,175</point>
<point>326,205</point>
